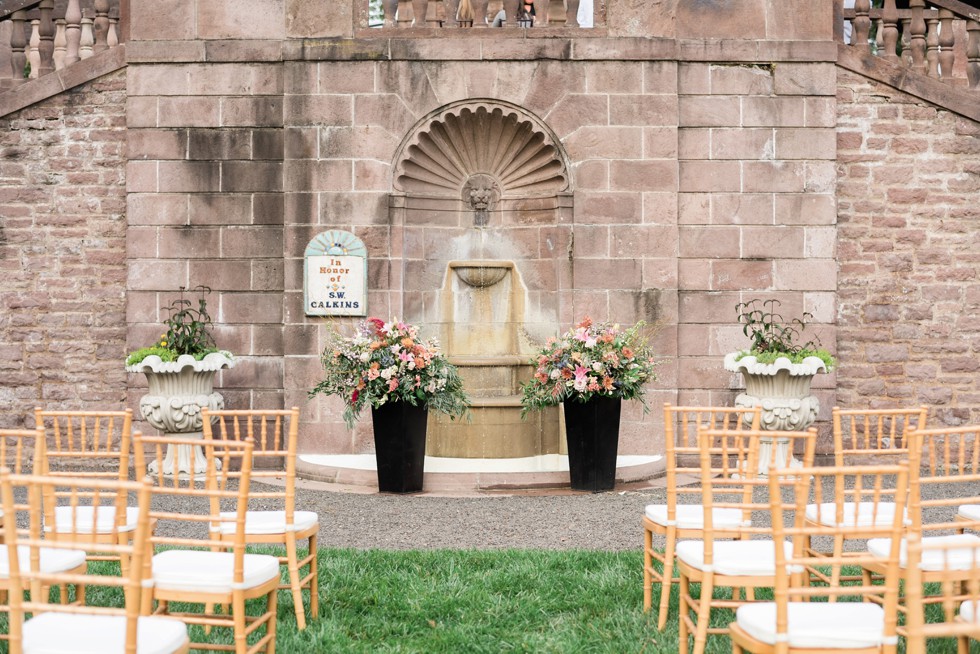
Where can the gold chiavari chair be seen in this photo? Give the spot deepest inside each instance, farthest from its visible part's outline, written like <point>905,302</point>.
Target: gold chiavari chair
<point>75,628</point>
<point>197,566</point>
<point>275,433</point>
<point>811,618</point>
<point>682,516</point>
<point>730,464</point>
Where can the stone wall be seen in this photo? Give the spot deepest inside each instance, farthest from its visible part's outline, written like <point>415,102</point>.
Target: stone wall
<point>909,286</point>
<point>63,252</point>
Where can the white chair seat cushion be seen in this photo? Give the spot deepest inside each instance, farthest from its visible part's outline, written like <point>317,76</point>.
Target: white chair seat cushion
<point>818,625</point>
<point>197,570</point>
<point>79,519</point>
<point>969,611</point>
<point>963,552</point>
<point>269,522</point>
<point>691,516</point>
<point>59,633</point>
<point>742,558</point>
<point>52,560</point>
<point>861,514</point>
<point>968,511</point>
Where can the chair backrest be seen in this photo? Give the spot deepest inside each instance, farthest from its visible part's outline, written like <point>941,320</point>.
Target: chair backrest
<point>866,435</point>
<point>955,612</point>
<point>681,453</point>
<point>944,476</point>
<point>275,434</point>
<point>87,443</point>
<point>23,497</point>
<point>187,508</point>
<point>881,516</point>
<point>21,449</point>
<point>730,479</point>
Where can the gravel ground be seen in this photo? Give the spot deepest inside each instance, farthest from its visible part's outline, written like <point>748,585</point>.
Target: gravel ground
<point>603,521</point>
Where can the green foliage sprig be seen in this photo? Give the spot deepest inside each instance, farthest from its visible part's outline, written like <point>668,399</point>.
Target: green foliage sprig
<point>188,331</point>
<point>772,336</point>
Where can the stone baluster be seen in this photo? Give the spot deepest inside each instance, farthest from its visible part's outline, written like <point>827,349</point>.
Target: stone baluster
<point>404,13</point>
<point>60,44</point>
<point>947,56</point>
<point>46,33</point>
<point>510,9</point>
<point>861,25</point>
<point>390,8</point>
<point>452,8</point>
<point>889,30</point>
<point>907,42</point>
<point>973,53</point>
<point>100,26</point>
<point>18,46</point>
<point>419,10</point>
<point>571,13</point>
<point>918,29</point>
<point>480,13</point>
<point>541,10</point>
<point>112,36</point>
<point>34,49</point>
<point>73,31</point>
<point>932,47</point>
<point>87,40</point>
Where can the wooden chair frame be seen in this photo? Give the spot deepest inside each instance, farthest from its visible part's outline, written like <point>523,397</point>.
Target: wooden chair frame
<point>947,456</point>
<point>75,493</point>
<point>89,445</point>
<point>275,433</point>
<point>213,489</point>
<point>958,586</point>
<point>729,479</point>
<point>681,451</point>
<point>845,484</point>
<point>865,436</point>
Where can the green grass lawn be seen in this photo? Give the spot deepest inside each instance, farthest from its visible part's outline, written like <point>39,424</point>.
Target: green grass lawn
<point>463,601</point>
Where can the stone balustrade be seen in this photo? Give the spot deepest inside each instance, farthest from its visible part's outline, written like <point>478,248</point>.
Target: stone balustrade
<point>42,36</point>
<point>940,38</point>
<point>480,13</point>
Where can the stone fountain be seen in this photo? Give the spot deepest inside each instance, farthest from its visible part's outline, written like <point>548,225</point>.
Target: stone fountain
<point>482,305</point>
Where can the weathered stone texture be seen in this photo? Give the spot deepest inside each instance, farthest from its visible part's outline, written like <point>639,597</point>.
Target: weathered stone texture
<point>908,275</point>
<point>63,252</point>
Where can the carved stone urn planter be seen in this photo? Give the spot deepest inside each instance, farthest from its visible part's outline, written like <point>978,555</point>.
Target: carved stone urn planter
<point>782,389</point>
<point>178,390</point>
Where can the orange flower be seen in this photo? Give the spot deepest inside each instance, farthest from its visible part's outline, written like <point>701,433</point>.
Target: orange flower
<point>607,383</point>
<point>586,323</point>
<point>407,342</point>
<point>628,353</point>
<point>375,345</point>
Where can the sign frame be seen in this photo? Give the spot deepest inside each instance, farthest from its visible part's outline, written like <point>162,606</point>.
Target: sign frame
<point>335,263</point>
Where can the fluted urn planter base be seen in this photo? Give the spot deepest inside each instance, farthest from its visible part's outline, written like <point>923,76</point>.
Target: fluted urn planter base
<point>782,390</point>
<point>592,433</point>
<point>399,446</point>
<point>177,392</point>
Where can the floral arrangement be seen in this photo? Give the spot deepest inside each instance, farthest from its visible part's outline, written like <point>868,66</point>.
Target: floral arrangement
<point>774,337</point>
<point>188,332</point>
<point>590,360</point>
<point>388,362</point>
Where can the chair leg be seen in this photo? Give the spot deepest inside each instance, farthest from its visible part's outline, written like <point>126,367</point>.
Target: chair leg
<point>238,619</point>
<point>647,564</point>
<point>314,580</point>
<point>704,613</point>
<point>684,588</point>
<point>294,581</point>
<point>270,627</point>
<point>667,578</point>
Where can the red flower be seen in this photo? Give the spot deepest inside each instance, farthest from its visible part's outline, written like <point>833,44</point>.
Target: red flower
<point>378,324</point>
<point>354,396</point>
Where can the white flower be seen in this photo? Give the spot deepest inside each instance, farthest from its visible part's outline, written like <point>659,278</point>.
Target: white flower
<point>597,366</point>
<point>365,357</point>
<point>555,374</point>
<point>581,384</point>
<point>388,372</point>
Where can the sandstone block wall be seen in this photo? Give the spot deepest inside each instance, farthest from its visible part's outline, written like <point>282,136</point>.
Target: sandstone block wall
<point>63,252</point>
<point>909,286</point>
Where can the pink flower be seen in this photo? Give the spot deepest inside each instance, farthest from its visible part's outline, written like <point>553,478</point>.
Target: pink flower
<point>392,384</point>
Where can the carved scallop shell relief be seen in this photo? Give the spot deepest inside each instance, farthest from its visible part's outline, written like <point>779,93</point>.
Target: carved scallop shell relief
<point>481,153</point>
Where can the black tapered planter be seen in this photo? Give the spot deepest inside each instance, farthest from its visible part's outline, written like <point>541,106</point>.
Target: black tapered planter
<point>592,431</point>
<point>399,446</point>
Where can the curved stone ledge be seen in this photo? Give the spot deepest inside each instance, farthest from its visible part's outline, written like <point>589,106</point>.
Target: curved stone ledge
<point>751,365</point>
